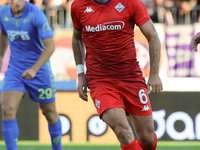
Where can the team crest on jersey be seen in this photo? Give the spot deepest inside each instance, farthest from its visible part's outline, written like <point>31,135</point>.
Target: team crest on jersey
<point>97,103</point>
<point>119,7</point>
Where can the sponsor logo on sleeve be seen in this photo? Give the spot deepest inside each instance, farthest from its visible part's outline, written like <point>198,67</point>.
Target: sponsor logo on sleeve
<point>46,27</point>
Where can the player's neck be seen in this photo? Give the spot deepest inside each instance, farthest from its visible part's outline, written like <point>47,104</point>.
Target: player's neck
<point>102,1</point>
<point>17,13</point>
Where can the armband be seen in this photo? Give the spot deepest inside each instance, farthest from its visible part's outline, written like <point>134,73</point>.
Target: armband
<point>80,68</point>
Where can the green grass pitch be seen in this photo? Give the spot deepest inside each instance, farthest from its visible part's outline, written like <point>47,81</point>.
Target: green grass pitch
<point>162,145</point>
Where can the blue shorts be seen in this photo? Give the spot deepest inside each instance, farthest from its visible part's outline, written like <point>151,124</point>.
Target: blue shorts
<point>41,88</point>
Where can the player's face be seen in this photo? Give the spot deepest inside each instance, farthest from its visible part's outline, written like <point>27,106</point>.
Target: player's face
<point>17,6</point>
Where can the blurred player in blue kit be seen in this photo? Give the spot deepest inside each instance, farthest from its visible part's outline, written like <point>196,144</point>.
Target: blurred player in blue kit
<point>31,41</point>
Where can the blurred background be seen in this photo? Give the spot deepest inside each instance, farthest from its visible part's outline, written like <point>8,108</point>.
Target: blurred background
<point>176,111</point>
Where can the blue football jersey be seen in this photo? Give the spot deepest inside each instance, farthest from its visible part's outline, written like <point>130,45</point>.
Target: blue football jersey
<point>25,34</point>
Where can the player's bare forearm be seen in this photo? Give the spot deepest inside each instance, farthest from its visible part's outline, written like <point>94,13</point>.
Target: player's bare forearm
<point>3,46</point>
<point>150,33</point>
<point>78,47</point>
<point>154,53</point>
<point>3,43</point>
<point>46,54</point>
<point>154,80</point>
<point>79,57</point>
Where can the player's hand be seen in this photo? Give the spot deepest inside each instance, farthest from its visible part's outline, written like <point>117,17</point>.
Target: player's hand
<point>154,84</point>
<point>29,74</point>
<point>195,41</point>
<point>82,87</point>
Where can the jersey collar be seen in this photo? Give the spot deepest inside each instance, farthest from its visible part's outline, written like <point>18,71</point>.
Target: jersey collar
<point>102,3</point>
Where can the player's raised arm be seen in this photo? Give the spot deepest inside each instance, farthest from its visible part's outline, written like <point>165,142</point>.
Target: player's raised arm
<point>195,41</point>
<point>3,45</point>
<point>150,33</point>
<point>79,56</point>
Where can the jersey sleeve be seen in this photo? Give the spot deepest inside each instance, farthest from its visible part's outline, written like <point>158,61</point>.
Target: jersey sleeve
<point>1,25</point>
<point>139,12</point>
<point>75,16</point>
<point>42,25</point>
